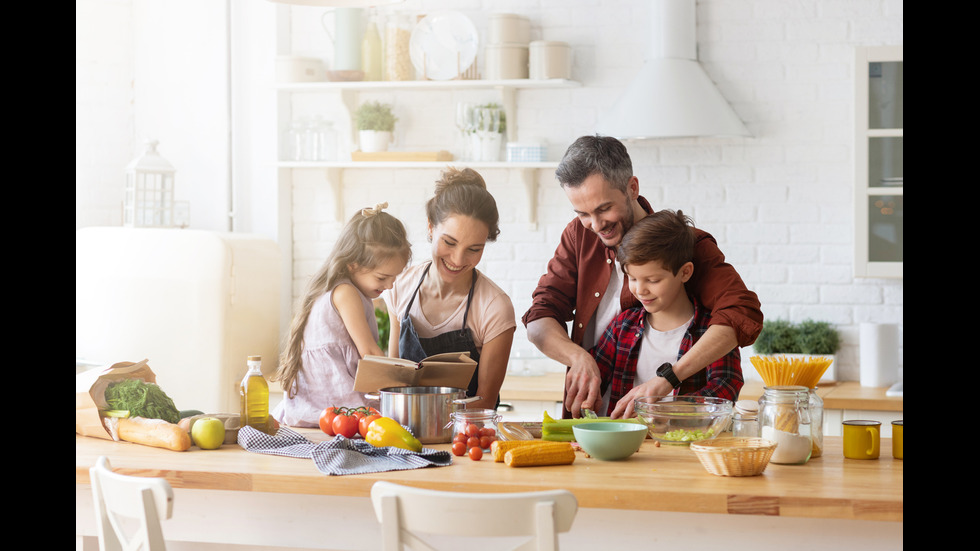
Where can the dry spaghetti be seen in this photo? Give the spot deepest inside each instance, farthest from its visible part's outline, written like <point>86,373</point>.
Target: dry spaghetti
<point>781,370</point>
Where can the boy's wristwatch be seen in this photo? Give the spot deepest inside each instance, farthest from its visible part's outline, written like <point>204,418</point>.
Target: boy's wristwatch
<point>667,372</point>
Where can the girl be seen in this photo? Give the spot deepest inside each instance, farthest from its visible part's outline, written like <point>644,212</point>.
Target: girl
<point>335,326</point>
<point>446,304</point>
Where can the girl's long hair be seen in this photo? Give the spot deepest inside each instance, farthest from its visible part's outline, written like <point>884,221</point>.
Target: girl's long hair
<point>370,238</point>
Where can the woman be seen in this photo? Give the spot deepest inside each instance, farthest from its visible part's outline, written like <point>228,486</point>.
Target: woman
<point>445,304</point>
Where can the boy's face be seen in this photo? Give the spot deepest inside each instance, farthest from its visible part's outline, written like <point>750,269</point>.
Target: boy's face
<point>657,288</point>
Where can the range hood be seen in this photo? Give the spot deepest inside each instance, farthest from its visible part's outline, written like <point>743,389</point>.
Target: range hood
<point>672,96</point>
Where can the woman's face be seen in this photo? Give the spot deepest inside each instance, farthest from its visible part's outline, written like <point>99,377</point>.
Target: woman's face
<point>457,246</point>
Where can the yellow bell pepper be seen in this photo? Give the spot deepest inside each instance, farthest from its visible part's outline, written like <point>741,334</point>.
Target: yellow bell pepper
<point>385,431</point>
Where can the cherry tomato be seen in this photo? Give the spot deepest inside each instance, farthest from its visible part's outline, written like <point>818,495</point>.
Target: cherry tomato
<point>459,448</point>
<point>473,442</point>
<point>460,437</point>
<point>472,430</point>
<point>345,425</point>
<point>364,422</point>
<point>476,453</point>
<point>326,420</point>
<point>485,442</point>
<point>488,431</point>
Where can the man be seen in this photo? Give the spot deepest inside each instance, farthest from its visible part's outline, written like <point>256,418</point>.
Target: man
<point>585,285</point>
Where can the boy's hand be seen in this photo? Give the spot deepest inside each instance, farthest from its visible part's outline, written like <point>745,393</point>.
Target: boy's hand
<point>654,389</point>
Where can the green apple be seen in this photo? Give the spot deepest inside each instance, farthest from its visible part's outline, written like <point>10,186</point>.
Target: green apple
<point>208,433</point>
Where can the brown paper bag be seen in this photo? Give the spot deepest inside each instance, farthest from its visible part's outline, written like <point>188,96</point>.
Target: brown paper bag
<point>90,388</point>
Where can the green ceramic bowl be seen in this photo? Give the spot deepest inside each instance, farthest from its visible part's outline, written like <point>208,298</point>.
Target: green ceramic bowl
<point>610,441</point>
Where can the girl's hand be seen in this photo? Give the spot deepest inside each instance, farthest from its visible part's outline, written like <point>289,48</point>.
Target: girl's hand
<point>654,389</point>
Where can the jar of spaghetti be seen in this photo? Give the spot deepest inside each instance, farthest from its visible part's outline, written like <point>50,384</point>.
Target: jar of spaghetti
<point>784,418</point>
<point>816,423</point>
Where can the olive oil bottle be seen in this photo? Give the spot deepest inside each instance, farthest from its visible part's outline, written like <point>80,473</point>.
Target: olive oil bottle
<point>255,396</point>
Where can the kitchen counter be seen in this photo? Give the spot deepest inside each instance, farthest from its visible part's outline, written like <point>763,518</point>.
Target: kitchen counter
<point>837,395</point>
<point>665,480</point>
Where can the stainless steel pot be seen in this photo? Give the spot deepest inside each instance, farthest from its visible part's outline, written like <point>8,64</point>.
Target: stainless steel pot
<point>425,410</point>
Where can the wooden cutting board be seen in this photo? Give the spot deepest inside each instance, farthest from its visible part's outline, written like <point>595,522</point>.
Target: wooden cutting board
<point>402,156</point>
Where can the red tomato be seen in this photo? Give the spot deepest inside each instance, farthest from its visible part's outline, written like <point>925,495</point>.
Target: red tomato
<point>326,420</point>
<point>459,448</point>
<point>345,425</point>
<point>485,442</point>
<point>365,422</point>
<point>476,453</point>
<point>472,430</point>
<point>473,442</point>
<point>460,437</point>
<point>488,431</point>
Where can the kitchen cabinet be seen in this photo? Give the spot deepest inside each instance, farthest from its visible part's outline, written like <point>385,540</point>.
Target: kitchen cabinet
<point>878,162</point>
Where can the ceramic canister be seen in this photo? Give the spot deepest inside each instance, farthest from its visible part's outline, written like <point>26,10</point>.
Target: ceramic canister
<point>506,61</point>
<point>509,28</point>
<point>550,59</point>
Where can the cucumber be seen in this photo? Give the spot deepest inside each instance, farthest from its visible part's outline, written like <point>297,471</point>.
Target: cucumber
<point>189,412</point>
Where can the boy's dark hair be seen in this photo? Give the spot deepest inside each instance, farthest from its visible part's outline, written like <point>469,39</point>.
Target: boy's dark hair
<point>665,236</point>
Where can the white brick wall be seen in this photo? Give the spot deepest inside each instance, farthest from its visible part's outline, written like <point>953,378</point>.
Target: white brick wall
<point>779,203</point>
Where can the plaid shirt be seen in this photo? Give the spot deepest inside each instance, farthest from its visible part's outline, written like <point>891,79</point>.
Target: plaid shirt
<point>619,348</point>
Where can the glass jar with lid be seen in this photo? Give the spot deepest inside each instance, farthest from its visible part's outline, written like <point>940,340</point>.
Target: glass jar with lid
<point>816,423</point>
<point>784,418</point>
<point>476,423</point>
<point>745,422</point>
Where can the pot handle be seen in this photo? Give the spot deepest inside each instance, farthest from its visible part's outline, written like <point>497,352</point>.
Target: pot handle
<point>465,400</point>
<point>372,396</point>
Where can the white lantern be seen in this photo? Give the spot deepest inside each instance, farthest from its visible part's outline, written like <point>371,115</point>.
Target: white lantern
<point>149,198</point>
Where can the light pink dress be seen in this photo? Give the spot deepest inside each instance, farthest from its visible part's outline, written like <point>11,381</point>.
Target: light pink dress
<point>329,365</point>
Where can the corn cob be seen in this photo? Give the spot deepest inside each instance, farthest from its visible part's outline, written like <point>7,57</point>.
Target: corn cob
<point>499,448</point>
<point>531,456</point>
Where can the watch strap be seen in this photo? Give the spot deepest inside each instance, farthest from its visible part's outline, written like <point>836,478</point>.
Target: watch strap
<point>666,370</point>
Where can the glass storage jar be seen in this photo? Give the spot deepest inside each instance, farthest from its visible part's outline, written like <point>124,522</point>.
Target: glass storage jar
<point>476,423</point>
<point>784,418</point>
<point>745,422</point>
<point>816,423</point>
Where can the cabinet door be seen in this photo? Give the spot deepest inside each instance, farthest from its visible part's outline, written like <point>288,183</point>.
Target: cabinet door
<point>879,161</point>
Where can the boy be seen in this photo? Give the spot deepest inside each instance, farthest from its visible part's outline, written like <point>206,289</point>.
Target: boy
<point>637,350</point>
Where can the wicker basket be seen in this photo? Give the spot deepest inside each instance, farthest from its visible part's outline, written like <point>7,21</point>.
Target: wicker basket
<point>736,456</point>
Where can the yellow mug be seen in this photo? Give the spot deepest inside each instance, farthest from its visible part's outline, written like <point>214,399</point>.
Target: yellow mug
<point>862,439</point>
<point>898,443</point>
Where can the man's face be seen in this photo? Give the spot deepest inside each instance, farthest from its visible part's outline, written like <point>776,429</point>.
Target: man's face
<point>603,209</point>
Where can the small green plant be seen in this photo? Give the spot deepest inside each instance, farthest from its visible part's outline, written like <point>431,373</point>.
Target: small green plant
<point>374,115</point>
<point>478,114</point>
<point>807,337</point>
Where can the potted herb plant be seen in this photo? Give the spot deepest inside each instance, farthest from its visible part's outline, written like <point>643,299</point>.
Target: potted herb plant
<point>807,338</point>
<point>375,123</point>
<point>488,128</point>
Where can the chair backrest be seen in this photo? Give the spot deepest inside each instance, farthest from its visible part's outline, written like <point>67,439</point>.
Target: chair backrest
<point>405,511</point>
<point>122,501</point>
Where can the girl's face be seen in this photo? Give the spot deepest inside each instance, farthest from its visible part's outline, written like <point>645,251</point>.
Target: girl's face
<point>656,287</point>
<point>457,246</point>
<point>371,282</point>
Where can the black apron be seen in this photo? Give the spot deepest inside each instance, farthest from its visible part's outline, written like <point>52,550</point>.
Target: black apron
<point>415,348</point>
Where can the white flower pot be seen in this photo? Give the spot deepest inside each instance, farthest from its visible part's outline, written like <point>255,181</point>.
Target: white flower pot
<point>486,146</point>
<point>372,141</point>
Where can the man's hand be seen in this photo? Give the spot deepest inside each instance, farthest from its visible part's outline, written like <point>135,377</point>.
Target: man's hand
<point>654,389</point>
<point>582,383</point>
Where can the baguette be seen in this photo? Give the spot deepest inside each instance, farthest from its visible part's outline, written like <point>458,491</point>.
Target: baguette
<point>154,432</point>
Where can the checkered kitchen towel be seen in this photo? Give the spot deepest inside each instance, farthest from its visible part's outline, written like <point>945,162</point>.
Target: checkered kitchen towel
<point>340,455</point>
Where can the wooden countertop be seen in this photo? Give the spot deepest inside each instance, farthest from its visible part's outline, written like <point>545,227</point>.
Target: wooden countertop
<point>839,395</point>
<point>664,478</point>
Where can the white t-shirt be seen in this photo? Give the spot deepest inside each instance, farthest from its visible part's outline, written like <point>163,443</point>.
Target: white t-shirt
<point>658,347</point>
<point>491,312</point>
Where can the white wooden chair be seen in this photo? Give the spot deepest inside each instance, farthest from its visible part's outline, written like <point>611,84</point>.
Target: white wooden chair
<point>122,501</point>
<point>405,511</point>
